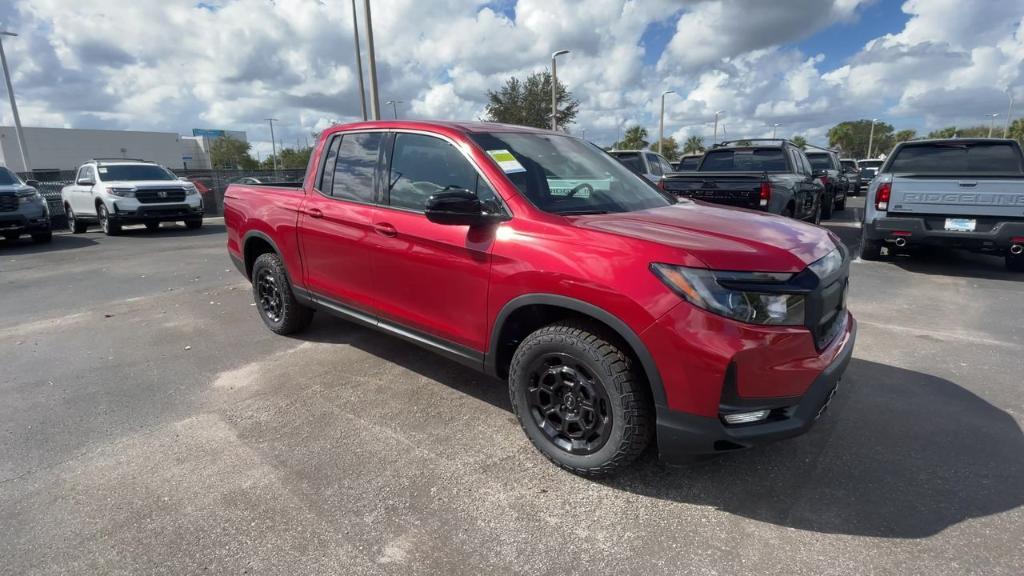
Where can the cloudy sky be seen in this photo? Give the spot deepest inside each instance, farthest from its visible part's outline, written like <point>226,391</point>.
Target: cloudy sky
<point>173,65</point>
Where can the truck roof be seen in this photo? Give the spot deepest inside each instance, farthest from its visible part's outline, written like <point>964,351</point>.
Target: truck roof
<point>461,126</point>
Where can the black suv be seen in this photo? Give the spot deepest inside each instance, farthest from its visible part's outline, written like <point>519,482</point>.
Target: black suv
<point>770,175</point>
<point>829,169</point>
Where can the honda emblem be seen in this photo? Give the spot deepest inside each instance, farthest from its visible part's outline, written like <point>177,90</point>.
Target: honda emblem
<point>162,194</point>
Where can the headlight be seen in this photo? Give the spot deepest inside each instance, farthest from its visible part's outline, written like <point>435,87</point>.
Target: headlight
<point>701,287</point>
<point>190,190</point>
<point>122,192</point>
<point>29,196</point>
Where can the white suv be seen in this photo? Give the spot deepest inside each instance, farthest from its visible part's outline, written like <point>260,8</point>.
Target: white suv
<point>118,191</point>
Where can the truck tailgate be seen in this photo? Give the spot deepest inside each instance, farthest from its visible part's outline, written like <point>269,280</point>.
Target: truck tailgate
<point>967,196</point>
<point>729,188</point>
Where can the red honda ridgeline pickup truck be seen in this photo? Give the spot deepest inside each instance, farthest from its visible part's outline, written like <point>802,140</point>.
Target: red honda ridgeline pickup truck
<point>617,315</point>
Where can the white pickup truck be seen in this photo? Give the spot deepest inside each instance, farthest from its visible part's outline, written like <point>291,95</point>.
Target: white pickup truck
<point>116,192</point>
<point>958,193</point>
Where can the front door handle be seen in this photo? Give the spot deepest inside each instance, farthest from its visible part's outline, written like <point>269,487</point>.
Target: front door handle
<point>385,229</point>
<point>314,212</point>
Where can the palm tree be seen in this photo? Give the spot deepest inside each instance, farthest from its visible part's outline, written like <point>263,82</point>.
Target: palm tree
<point>635,138</point>
<point>799,141</point>
<point>694,145</point>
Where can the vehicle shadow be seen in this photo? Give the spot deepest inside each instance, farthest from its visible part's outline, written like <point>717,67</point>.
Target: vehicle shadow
<point>956,263</point>
<point>25,245</point>
<point>171,230</point>
<point>900,454</point>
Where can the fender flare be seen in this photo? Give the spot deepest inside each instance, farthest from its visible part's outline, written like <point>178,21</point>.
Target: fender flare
<point>245,243</point>
<point>618,326</point>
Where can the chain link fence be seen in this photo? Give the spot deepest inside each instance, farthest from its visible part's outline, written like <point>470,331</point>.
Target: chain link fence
<point>210,183</point>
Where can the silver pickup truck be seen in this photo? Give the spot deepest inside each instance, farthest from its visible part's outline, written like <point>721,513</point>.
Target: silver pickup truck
<point>958,193</point>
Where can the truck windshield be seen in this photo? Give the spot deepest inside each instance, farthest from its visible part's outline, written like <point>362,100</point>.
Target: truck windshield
<point>958,157</point>
<point>749,160</point>
<point>129,172</point>
<point>820,161</point>
<point>630,160</point>
<point>8,178</point>
<point>565,175</point>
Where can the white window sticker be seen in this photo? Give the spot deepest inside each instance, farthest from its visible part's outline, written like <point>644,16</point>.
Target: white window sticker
<point>102,170</point>
<point>506,161</point>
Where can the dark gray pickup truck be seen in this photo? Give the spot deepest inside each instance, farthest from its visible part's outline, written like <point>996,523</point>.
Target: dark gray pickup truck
<point>956,193</point>
<point>22,209</point>
<point>767,175</point>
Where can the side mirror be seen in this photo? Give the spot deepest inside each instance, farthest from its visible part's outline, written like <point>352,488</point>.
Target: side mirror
<point>32,183</point>
<point>86,182</point>
<point>458,208</point>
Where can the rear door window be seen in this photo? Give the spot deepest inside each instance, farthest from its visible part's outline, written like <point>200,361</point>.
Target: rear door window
<point>966,157</point>
<point>422,166</point>
<point>820,161</point>
<point>327,178</point>
<point>355,166</point>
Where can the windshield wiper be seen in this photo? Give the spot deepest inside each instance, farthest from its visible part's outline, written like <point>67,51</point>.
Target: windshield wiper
<point>581,212</point>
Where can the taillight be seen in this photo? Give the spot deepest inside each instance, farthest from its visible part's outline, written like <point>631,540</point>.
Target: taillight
<point>824,180</point>
<point>766,193</point>
<point>882,196</point>
<point>661,184</point>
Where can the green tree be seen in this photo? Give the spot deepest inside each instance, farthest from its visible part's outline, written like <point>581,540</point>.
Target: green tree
<point>1017,130</point>
<point>231,153</point>
<point>947,132</point>
<point>963,132</point>
<point>693,145</point>
<point>904,136</point>
<point>799,141</point>
<point>528,103</point>
<point>853,136</point>
<point>635,138</point>
<point>669,148</point>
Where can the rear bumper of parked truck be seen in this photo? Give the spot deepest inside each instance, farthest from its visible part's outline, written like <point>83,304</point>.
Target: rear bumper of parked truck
<point>744,369</point>
<point>991,233</point>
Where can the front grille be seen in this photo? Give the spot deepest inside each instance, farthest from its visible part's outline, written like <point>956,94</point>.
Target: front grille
<point>8,203</point>
<point>160,196</point>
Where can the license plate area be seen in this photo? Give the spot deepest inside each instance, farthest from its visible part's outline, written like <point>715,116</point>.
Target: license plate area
<point>961,224</point>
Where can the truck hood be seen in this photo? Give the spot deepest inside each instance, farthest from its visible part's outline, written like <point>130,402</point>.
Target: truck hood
<point>144,184</point>
<point>722,238</point>
<point>12,188</point>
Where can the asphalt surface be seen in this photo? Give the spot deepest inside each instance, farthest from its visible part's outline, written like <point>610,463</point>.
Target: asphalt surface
<point>149,423</point>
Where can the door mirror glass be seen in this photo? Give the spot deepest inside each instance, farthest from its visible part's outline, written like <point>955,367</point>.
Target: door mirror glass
<point>86,181</point>
<point>458,207</point>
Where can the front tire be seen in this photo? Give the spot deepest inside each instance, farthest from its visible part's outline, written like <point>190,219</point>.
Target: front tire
<point>580,399</point>
<point>194,224</point>
<point>109,228</point>
<point>75,225</point>
<point>276,303</point>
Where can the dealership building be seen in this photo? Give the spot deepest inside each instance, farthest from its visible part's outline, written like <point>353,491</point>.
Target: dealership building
<point>63,149</point>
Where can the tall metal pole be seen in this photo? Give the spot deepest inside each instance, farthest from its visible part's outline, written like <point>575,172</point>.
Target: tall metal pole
<point>774,128</point>
<point>14,105</point>
<point>1009,114</point>
<point>992,123</point>
<point>394,106</point>
<point>359,61</point>
<point>661,122</point>
<point>716,126</point>
<point>374,101</point>
<point>554,89</point>
<point>871,137</point>
<point>273,143</point>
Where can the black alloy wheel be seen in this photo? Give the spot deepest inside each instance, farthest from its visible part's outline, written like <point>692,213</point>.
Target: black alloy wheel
<point>569,404</point>
<point>270,300</point>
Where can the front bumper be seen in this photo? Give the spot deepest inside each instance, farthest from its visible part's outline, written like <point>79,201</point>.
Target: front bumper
<point>134,212</point>
<point>993,234</point>
<point>24,221</point>
<point>682,435</point>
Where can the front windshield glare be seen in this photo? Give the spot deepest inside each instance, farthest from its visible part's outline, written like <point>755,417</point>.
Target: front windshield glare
<point>565,175</point>
<point>7,177</point>
<point>128,172</point>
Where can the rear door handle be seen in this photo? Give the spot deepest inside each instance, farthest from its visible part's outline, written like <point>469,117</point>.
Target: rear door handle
<point>385,229</point>
<point>314,212</point>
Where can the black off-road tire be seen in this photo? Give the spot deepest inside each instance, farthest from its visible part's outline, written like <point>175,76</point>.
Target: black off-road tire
<point>75,225</point>
<point>42,237</point>
<point>625,390</point>
<point>152,226</point>
<point>286,315</point>
<point>871,250</point>
<point>194,224</point>
<point>827,206</point>
<point>1015,262</point>
<point>841,205</point>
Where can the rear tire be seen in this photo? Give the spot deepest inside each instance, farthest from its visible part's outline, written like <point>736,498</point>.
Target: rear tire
<point>11,236</point>
<point>828,203</point>
<point>42,237</point>
<point>580,399</point>
<point>1015,262</point>
<point>275,301</point>
<point>152,226</point>
<point>75,225</point>
<point>841,205</point>
<point>870,249</point>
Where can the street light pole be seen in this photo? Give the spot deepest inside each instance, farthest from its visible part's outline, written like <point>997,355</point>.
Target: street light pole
<point>774,128</point>
<point>661,122</point>
<point>717,113</point>
<point>359,61</point>
<point>374,102</point>
<point>554,89</point>
<point>14,105</point>
<point>273,143</point>
<point>871,136</point>
<point>394,106</point>
<point>1009,114</point>
<point>992,123</point>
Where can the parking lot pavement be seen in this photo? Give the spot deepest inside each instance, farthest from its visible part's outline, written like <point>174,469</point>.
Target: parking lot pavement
<point>149,423</point>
